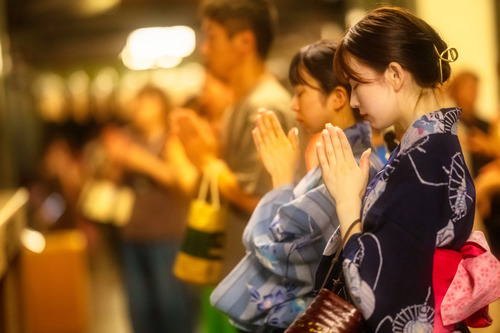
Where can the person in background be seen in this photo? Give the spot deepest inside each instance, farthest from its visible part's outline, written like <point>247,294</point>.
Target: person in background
<point>152,163</point>
<point>211,103</point>
<point>54,192</point>
<point>420,206</point>
<point>480,140</point>
<point>474,132</point>
<point>237,36</point>
<point>291,224</point>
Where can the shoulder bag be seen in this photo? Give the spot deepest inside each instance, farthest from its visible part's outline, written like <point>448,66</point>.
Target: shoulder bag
<point>329,313</point>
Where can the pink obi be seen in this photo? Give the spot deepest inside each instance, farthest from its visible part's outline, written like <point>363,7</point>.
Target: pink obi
<point>465,283</point>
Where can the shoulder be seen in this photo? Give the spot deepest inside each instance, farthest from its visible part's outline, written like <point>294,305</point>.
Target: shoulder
<point>432,157</point>
<point>271,94</point>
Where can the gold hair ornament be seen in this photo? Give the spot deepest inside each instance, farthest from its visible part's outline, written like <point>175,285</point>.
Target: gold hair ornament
<point>451,54</point>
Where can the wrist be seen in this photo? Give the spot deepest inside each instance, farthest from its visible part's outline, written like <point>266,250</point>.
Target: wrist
<point>353,228</point>
<point>348,210</point>
<point>279,180</point>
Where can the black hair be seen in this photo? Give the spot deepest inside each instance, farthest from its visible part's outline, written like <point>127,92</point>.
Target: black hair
<point>237,15</point>
<point>393,34</point>
<point>317,60</point>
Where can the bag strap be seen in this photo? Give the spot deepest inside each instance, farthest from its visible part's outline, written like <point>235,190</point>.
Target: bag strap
<point>336,282</point>
<point>210,178</point>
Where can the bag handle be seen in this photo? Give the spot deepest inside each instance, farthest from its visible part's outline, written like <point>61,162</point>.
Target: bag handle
<point>210,178</point>
<point>336,282</point>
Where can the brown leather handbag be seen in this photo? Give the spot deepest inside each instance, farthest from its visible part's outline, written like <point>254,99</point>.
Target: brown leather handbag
<point>329,313</point>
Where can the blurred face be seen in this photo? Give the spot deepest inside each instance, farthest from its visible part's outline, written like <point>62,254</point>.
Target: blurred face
<point>218,49</point>
<point>466,94</point>
<point>148,113</point>
<point>376,98</point>
<point>311,105</point>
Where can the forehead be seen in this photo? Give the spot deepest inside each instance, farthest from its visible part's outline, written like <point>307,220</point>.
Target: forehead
<point>306,78</point>
<point>360,70</point>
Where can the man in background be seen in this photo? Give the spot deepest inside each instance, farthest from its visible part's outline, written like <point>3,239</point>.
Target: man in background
<point>237,36</point>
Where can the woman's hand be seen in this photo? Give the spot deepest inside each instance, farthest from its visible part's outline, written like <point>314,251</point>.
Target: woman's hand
<point>344,179</point>
<point>279,153</point>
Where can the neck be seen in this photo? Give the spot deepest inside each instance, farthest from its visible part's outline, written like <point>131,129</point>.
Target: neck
<point>154,133</point>
<point>344,118</point>
<point>245,77</point>
<point>421,102</point>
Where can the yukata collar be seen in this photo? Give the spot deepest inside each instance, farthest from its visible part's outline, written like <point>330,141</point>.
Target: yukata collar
<point>438,122</point>
<point>359,131</point>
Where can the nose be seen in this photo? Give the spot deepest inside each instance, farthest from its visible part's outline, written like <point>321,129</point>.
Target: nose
<point>203,48</point>
<point>354,100</point>
<point>295,103</point>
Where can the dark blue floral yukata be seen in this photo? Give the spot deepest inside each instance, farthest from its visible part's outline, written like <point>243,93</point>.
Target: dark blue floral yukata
<point>421,200</point>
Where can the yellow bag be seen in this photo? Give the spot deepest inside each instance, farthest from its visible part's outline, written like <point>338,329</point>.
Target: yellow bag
<point>199,260</point>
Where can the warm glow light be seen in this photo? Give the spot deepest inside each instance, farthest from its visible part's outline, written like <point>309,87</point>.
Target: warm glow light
<point>33,240</point>
<point>78,82</point>
<point>159,47</point>
<point>105,81</point>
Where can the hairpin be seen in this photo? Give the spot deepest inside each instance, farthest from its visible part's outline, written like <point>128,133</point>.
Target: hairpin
<point>451,54</point>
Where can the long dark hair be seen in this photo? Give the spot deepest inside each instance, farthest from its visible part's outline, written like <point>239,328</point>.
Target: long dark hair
<point>389,34</point>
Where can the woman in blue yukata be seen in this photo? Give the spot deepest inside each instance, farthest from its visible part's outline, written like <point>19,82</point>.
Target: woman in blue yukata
<point>290,227</point>
<point>423,199</point>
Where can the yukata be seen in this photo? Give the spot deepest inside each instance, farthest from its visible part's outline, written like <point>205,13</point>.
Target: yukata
<point>421,200</point>
<point>284,240</point>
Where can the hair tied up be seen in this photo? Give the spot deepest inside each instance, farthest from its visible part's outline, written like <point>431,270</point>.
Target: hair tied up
<point>449,55</point>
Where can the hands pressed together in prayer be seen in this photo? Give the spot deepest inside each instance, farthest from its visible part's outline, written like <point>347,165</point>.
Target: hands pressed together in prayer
<point>196,136</point>
<point>279,152</point>
<point>344,179</point>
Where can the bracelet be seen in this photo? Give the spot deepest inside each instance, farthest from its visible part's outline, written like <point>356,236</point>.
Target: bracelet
<point>349,230</point>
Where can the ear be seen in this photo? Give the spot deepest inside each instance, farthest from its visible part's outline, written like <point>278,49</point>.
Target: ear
<point>395,75</point>
<point>338,98</point>
<point>245,41</point>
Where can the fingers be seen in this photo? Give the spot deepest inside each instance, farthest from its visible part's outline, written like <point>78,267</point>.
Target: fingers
<point>275,124</point>
<point>260,125</point>
<point>257,139</point>
<point>364,164</point>
<point>328,137</point>
<point>322,160</point>
<point>346,147</point>
<point>269,126</point>
<point>293,137</point>
<point>337,150</point>
<point>341,146</point>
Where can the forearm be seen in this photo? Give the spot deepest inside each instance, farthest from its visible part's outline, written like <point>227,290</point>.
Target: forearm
<point>231,190</point>
<point>167,174</point>
<point>488,182</point>
<point>348,212</point>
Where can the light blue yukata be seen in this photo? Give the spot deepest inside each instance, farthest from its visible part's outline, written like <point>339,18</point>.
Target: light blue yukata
<point>284,240</point>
